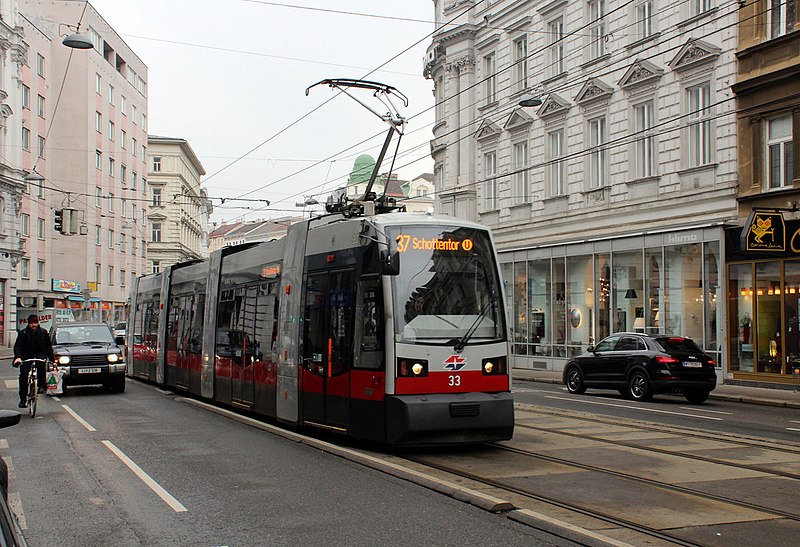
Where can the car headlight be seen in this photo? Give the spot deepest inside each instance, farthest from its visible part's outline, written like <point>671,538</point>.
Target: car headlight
<point>63,360</point>
<point>112,357</point>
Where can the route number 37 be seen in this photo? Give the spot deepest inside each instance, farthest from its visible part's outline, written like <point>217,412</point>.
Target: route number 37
<point>455,380</point>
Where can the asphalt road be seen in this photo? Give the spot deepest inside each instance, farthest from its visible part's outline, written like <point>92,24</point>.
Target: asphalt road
<point>144,468</point>
<point>768,422</point>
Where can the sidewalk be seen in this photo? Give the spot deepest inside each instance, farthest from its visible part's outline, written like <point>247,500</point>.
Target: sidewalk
<point>789,398</point>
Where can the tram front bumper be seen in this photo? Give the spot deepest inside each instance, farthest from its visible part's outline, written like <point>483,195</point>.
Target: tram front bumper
<point>449,418</point>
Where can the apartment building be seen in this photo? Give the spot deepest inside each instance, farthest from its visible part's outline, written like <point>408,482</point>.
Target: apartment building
<point>609,192</point>
<point>88,140</point>
<point>179,208</point>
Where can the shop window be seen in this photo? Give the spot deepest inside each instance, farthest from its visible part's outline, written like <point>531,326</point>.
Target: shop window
<point>683,290</point>
<point>791,280</point>
<point>603,291</point>
<point>559,308</point>
<point>539,306</point>
<point>653,260</point>
<point>580,304</point>
<point>713,313</point>
<point>768,318</point>
<point>521,310</point>
<point>628,292</point>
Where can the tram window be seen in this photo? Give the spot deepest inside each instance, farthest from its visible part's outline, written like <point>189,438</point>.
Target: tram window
<point>328,322</point>
<point>196,332</point>
<point>369,325</point>
<point>267,319</point>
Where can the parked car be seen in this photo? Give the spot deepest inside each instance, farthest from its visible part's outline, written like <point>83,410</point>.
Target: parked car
<point>10,533</point>
<point>120,330</point>
<point>641,365</point>
<point>88,354</point>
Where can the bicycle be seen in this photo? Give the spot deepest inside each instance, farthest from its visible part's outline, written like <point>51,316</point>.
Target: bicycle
<point>33,383</point>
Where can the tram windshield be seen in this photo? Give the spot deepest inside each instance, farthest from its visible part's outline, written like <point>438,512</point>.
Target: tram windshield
<point>448,289</point>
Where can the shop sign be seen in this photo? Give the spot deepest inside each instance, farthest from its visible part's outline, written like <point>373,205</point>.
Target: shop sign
<point>62,285</point>
<point>764,231</point>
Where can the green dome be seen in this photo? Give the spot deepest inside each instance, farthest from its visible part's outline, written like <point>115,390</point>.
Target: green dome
<point>362,169</point>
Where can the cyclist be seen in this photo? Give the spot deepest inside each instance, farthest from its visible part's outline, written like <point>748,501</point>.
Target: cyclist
<point>33,342</point>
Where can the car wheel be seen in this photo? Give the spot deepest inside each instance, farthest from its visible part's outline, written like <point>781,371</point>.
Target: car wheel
<point>575,381</point>
<point>119,385</point>
<point>696,396</point>
<point>639,386</point>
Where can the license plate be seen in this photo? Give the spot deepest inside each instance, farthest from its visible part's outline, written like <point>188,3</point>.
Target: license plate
<point>88,370</point>
<point>691,364</point>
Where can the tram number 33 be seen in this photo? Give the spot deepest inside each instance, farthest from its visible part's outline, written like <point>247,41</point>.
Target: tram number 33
<point>455,380</point>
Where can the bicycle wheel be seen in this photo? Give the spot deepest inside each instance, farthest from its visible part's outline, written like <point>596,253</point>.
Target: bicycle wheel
<point>33,396</point>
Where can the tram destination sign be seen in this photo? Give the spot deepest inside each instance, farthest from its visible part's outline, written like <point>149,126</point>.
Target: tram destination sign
<point>407,243</point>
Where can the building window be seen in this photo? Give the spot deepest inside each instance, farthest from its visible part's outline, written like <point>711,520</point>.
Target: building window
<point>521,62</point>
<point>123,105</point>
<point>26,96</point>
<point>39,64</point>
<point>155,266</point>
<point>598,154</point>
<point>490,78</point>
<point>111,276</point>
<point>645,145</point>
<point>155,235</point>
<point>156,164</point>
<point>40,228</point>
<point>25,268</point>
<point>40,147</point>
<point>702,6</point>
<point>133,213</point>
<point>123,138</point>
<point>98,84</point>
<point>97,194</point>
<point>156,197</point>
<point>40,270</point>
<point>122,278</point>
<point>122,173</point>
<point>25,224</point>
<point>97,268</point>
<point>110,130</point>
<point>597,30</point>
<point>98,125</point>
<point>644,18</point>
<point>133,147</point>
<point>555,50</point>
<point>439,90</point>
<point>97,235</point>
<point>110,94</point>
<point>144,122</point>
<point>98,159</point>
<point>521,171</point>
<point>133,180</point>
<point>110,202</point>
<point>699,99</point>
<point>779,152</point>
<point>111,239</point>
<point>111,167</point>
<point>26,138</point>
<point>40,106</point>
<point>780,17</point>
<point>490,171</point>
<point>556,167</point>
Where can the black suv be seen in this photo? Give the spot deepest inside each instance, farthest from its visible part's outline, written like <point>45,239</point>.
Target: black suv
<point>88,354</point>
<point>640,365</point>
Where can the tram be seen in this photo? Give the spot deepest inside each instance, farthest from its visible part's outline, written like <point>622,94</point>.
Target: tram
<point>368,321</point>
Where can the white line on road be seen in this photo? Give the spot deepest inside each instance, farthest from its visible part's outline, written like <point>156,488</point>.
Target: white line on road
<point>81,421</point>
<point>636,408</point>
<point>706,410</point>
<point>792,429</point>
<point>794,422</point>
<point>147,479</point>
<point>12,384</point>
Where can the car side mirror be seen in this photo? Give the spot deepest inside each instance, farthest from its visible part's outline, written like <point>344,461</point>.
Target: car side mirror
<point>590,349</point>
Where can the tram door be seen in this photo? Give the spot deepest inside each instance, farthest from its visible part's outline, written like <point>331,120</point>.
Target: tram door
<point>245,348</point>
<point>327,348</point>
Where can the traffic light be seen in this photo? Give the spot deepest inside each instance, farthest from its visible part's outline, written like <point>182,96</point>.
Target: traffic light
<point>58,223</point>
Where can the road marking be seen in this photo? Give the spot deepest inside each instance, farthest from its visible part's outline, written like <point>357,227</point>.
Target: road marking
<point>793,429</point>
<point>794,422</point>
<point>81,421</point>
<point>706,410</point>
<point>12,384</point>
<point>15,504</point>
<point>626,407</point>
<point>526,390</point>
<point>3,443</point>
<point>147,479</point>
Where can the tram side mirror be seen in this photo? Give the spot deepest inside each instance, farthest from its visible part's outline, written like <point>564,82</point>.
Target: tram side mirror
<point>390,262</point>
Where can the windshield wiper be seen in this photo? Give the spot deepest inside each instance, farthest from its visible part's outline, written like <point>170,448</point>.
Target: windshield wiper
<point>459,345</point>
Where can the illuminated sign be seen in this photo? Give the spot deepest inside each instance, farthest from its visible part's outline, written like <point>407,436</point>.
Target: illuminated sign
<point>406,242</point>
<point>62,285</point>
<point>764,232</point>
<point>270,271</point>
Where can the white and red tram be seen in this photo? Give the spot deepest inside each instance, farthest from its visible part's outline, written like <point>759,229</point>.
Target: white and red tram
<point>384,327</point>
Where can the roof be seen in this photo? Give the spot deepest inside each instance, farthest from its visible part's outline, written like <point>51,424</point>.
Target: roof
<point>222,230</point>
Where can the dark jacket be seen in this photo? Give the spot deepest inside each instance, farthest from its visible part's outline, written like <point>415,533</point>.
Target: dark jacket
<point>33,344</point>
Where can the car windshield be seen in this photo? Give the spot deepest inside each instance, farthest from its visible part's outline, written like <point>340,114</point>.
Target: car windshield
<point>120,326</point>
<point>82,334</point>
<point>448,287</point>
<point>678,345</point>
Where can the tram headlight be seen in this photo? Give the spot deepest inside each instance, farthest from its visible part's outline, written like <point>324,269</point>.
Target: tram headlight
<point>412,368</point>
<point>494,366</point>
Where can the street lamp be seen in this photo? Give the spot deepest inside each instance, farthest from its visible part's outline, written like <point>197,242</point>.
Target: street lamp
<point>76,40</point>
<point>530,101</point>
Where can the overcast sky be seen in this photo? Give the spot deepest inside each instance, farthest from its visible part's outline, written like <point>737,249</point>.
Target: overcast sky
<point>231,77</point>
